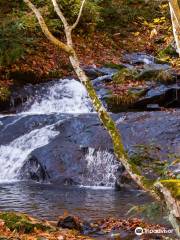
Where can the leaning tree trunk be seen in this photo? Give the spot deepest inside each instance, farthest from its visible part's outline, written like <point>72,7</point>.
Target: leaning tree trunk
<point>170,193</point>
<point>104,117</point>
<point>175,18</point>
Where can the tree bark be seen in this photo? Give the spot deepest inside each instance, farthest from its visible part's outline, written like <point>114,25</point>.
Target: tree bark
<point>172,202</point>
<point>175,18</point>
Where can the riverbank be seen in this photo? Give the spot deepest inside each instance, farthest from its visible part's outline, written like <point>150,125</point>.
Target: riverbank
<point>21,226</point>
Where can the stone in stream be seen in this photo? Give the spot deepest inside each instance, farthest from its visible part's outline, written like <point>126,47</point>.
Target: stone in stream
<point>140,58</point>
<point>70,222</point>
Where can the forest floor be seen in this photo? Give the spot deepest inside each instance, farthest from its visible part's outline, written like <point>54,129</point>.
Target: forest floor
<point>44,62</point>
<point>20,226</point>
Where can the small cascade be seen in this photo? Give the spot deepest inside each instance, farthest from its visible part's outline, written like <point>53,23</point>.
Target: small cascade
<point>36,128</point>
<point>101,169</point>
<point>64,96</point>
<point>12,156</point>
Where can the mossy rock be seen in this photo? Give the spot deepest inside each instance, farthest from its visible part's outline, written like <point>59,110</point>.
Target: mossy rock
<point>124,75</point>
<point>115,66</point>
<point>173,185</point>
<point>22,223</point>
<point>163,76</point>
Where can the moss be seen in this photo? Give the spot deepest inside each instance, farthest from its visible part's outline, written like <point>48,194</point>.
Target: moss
<point>116,103</point>
<point>173,185</point>
<point>124,75</point>
<point>164,76</point>
<point>168,51</point>
<point>22,223</point>
<point>115,66</point>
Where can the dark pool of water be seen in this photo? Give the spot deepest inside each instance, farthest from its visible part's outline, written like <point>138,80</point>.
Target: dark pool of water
<point>50,201</point>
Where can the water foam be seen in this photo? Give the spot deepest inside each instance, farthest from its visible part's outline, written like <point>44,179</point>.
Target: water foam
<point>12,156</point>
<point>64,96</point>
<point>101,167</point>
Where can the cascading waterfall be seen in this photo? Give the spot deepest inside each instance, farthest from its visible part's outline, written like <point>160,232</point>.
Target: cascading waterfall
<point>12,156</point>
<point>64,96</point>
<point>50,101</point>
<point>101,168</point>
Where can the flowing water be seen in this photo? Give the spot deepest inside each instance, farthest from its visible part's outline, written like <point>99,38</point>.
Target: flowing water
<point>32,132</point>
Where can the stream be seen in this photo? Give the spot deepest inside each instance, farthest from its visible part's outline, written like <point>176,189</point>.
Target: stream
<point>81,181</point>
<point>55,156</point>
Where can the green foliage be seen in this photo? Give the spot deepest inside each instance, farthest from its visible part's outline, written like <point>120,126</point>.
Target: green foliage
<point>19,27</point>
<point>21,223</point>
<point>4,93</point>
<point>119,13</point>
<point>13,36</point>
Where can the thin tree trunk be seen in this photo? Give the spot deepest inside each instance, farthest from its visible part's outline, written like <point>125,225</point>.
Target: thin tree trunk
<point>173,204</point>
<point>175,18</point>
<point>104,117</point>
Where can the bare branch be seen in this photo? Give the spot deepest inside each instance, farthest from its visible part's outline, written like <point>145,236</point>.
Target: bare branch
<point>60,14</point>
<point>46,31</point>
<point>79,15</point>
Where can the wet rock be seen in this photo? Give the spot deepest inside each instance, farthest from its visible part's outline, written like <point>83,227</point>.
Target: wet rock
<point>95,72</point>
<point>82,140</point>
<point>90,228</point>
<point>33,170</point>
<point>103,79</point>
<point>92,72</point>
<point>70,222</point>
<point>157,73</point>
<point>161,95</point>
<point>140,58</point>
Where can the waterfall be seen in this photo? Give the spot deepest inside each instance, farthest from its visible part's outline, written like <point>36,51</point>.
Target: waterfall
<point>13,155</point>
<point>38,125</point>
<point>101,168</point>
<point>64,96</point>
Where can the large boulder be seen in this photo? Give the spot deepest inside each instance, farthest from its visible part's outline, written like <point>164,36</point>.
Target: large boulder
<point>80,150</point>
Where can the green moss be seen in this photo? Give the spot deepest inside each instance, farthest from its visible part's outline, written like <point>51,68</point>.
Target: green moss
<point>164,76</point>
<point>168,51</point>
<point>115,66</point>
<point>124,75</point>
<point>21,223</point>
<point>173,185</point>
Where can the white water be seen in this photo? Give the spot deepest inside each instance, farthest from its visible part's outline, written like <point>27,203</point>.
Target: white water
<point>12,156</point>
<point>65,96</point>
<point>101,169</point>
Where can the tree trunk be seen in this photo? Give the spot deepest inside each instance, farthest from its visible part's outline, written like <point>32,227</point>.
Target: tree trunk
<point>175,17</point>
<point>169,191</point>
<point>104,117</point>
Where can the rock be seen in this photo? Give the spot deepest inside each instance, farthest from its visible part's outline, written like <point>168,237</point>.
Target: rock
<point>157,74</point>
<point>70,222</point>
<point>95,72</point>
<point>33,170</point>
<point>92,72</point>
<point>103,79</point>
<point>140,58</point>
<point>161,95</point>
<point>124,75</point>
<point>82,140</point>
